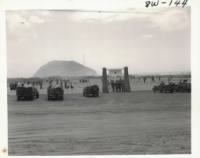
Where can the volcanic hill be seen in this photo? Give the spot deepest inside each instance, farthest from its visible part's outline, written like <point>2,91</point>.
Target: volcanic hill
<point>64,69</point>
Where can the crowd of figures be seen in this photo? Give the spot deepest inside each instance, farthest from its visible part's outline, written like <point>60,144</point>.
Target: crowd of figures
<point>64,84</point>
<point>13,86</point>
<point>114,85</point>
<point>117,85</point>
<point>152,78</point>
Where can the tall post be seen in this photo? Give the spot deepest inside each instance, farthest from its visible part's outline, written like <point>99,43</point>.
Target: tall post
<point>61,83</point>
<point>41,84</point>
<point>105,81</point>
<point>127,87</point>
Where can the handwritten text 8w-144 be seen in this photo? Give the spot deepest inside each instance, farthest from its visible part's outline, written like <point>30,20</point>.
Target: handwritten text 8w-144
<point>176,3</point>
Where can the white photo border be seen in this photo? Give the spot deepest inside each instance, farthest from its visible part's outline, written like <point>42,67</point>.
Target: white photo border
<point>97,4</point>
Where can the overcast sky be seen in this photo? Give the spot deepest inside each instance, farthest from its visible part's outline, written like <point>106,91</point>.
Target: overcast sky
<point>147,41</point>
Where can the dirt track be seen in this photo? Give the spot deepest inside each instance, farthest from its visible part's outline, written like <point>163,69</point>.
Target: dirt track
<point>128,123</point>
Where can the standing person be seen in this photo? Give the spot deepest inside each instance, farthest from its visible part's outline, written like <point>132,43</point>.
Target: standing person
<point>152,78</point>
<point>19,84</point>
<point>29,84</point>
<point>122,85</point>
<point>144,78</point>
<point>26,84</point>
<point>112,85</point>
<point>117,85</point>
<point>40,84</point>
<point>71,86</point>
<point>57,85</point>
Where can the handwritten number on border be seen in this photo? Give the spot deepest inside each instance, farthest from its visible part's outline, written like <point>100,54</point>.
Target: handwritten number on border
<point>176,3</point>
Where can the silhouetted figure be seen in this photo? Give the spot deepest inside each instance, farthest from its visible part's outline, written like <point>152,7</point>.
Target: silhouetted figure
<point>105,81</point>
<point>118,86</point>
<point>113,86</point>
<point>61,84</point>
<point>169,79</point>
<point>65,84</point>
<point>144,78</point>
<point>122,86</point>
<point>152,78</point>
<point>40,85</point>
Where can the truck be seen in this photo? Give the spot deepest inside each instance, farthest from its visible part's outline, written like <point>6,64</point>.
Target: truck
<point>91,91</point>
<point>55,93</point>
<point>181,87</point>
<point>26,93</point>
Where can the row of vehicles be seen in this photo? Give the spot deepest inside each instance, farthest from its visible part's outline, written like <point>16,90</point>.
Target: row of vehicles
<point>57,93</point>
<point>181,87</point>
<point>53,93</point>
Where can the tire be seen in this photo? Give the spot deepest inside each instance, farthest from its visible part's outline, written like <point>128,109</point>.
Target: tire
<point>18,98</point>
<point>84,93</point>
<point>62,98</point>
<point>31,97</point>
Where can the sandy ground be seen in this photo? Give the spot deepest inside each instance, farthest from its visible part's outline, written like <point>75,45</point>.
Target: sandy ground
<point>126,123</point>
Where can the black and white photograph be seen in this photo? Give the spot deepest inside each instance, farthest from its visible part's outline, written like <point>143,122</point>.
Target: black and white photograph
<point>99,82</point>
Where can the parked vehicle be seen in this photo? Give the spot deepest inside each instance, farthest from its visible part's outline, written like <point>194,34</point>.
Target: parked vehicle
<point>26,93</point>
<point>181,87</point>
<point>55,93</point>
<point>91,91</point>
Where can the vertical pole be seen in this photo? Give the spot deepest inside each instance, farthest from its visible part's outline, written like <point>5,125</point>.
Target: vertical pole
<point>127,87</point>
<point>61,83</point>
<point>105,81</point>
<point>41,84</point>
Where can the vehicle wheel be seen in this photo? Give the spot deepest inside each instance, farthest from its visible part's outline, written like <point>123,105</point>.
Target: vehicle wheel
<point>18,98</point>
<point>62,98</point>
<point>31,98</point>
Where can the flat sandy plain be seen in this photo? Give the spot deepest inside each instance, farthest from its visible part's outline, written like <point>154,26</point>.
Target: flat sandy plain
<point>116,123</point>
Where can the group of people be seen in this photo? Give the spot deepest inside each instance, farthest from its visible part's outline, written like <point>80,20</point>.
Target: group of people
<point>26,84</point>
<point>117,85</point>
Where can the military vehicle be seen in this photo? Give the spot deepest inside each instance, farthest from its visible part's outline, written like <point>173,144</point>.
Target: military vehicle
<point>163,88</point>
<point>55,93</point>
<point>184,87</point>
<point>91,91</point>
<point>26,93</point>
<point>181,87</point>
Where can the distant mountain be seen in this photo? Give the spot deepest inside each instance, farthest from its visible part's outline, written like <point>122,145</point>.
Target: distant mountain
<point>64,68</point>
